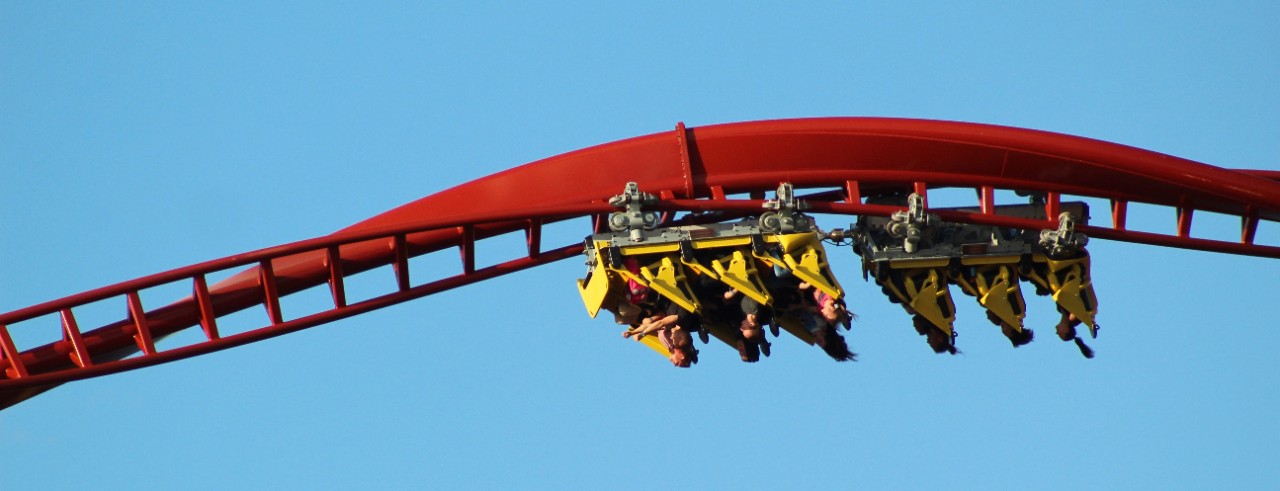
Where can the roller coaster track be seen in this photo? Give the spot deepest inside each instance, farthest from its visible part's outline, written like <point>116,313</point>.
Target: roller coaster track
<point>839,161</point>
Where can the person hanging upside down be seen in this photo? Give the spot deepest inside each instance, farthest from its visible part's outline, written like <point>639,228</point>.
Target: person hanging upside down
<point>832,313</point>
<point>675,327</point>
<point>821,314</point>
<point>1067,332</point>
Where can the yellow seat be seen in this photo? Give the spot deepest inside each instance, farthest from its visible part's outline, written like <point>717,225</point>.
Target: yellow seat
<point>996,288</point>
<point>804,256</point>
<point>924,290</point>
<point>670,281</point>
<point>740,274</point>
<point>1070,283</point>
<point>595,288</point>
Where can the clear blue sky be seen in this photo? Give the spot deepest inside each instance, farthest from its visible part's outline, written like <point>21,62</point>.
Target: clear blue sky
<point>138,137</point>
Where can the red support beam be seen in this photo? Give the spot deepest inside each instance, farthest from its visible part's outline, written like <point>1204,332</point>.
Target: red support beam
<point>1119,213</point>
<point>401,265</point>
<point>1184,221</point>
<point>852,194</point>
<point>467,247</point>
<point>1249,227</point>
<point>599,223</point>
<point>208,319</point>
<point>686,167</point>
<point>987,200</point>
<point>141,329</point>
<point>337,285</point>
<point>71,334</point>
<point>533,236</point>
<point>270,294</point>
<point>16,368</point>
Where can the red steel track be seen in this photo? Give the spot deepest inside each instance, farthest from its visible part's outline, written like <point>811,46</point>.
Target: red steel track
<point>692,169</point>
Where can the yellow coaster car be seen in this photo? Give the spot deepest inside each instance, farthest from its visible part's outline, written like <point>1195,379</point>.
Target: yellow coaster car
<point>671,262</point>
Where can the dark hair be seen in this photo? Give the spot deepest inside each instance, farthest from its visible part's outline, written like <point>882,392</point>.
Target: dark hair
<point>834,344</point>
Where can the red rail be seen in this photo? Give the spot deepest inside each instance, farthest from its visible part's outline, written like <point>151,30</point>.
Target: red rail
<point>694,169</point>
